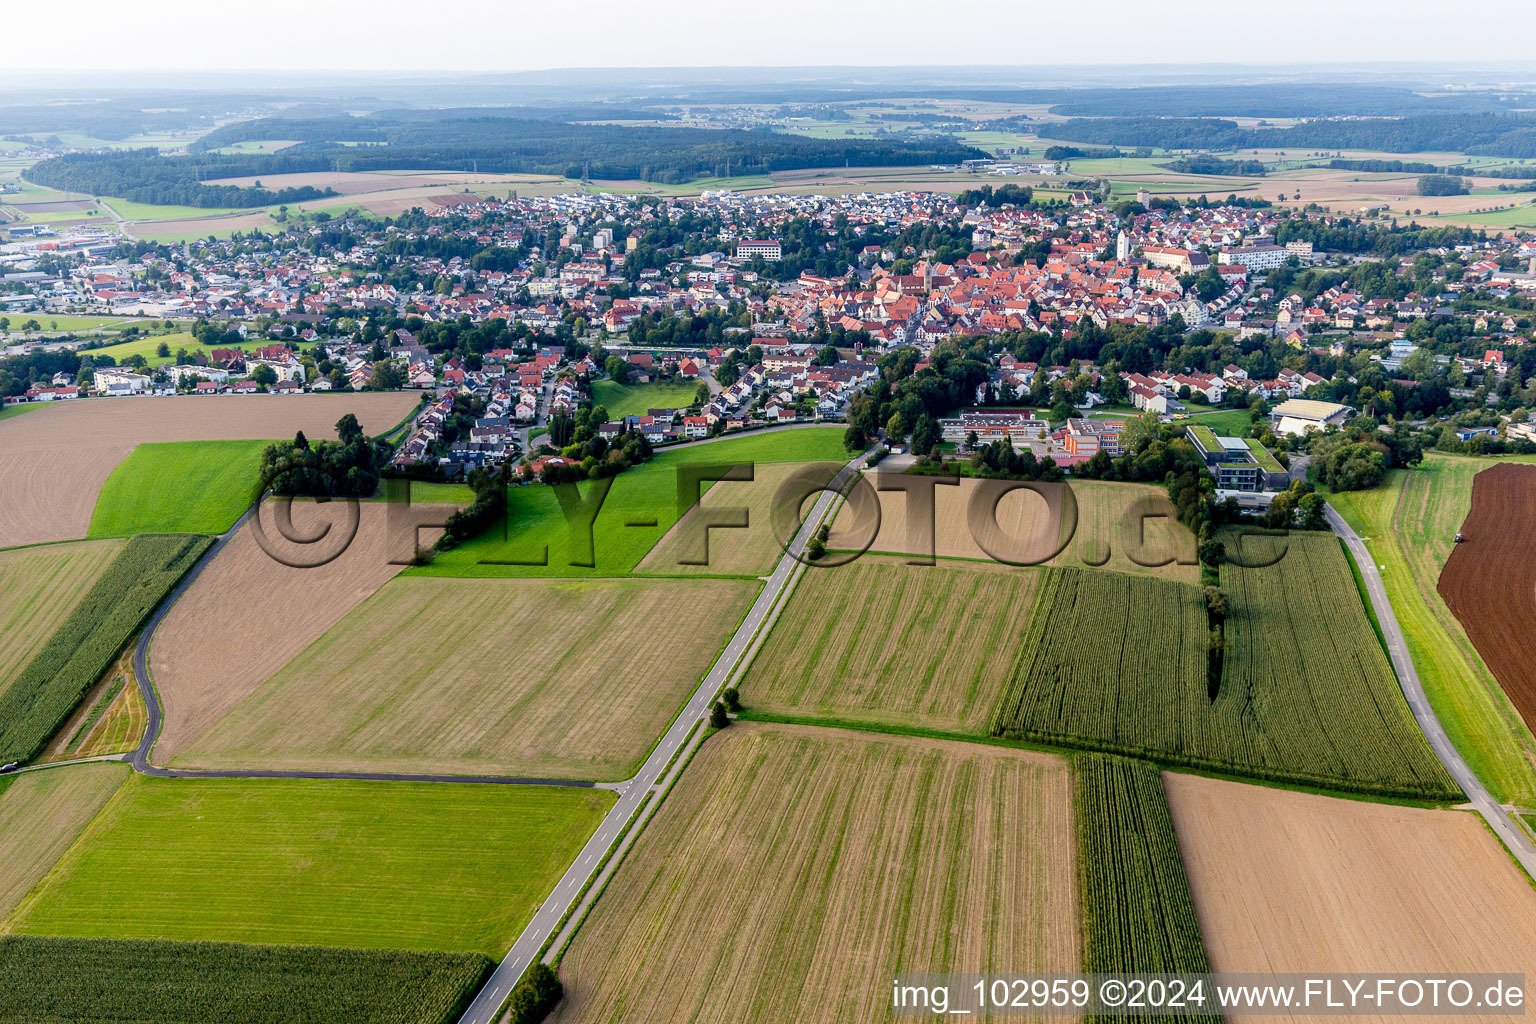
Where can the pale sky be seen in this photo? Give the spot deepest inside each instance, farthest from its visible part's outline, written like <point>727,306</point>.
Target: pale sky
<point>511,35</point>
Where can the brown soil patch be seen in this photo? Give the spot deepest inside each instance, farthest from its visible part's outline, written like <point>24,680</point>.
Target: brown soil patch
<point>53,461</point>
<point>792,870</point>
<point>574,679</point>
<point>1489,582</point>
<point>248,615</point>
<point>1294,882</point>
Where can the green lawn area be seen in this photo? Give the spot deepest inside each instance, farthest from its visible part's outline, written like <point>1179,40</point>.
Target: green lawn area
<point>53,322</point>
<point>129,210</point>
<point>178,487</point>
<point>1522,216</point>
<point>638,399</point>
<point>148,346</point>
<point>1227,423</point>
<point>398,865</point>
<point>647,493</point>
<point>1409,523</point>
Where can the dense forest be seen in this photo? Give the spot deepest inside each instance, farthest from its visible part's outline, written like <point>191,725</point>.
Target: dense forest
<point>1204,163</point>
<point>1492,134</point>
<point>485,144</point>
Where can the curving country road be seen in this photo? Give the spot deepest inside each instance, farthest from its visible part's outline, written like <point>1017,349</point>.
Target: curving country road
<point>552,911</point>
<point>1513,837</point>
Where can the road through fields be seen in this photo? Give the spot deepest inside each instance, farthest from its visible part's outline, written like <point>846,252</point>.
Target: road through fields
<point>552,912</point>
<point>1512,836</point>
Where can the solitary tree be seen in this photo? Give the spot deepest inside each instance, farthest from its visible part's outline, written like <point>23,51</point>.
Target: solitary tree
<point>718,719</point>
<point>732,698</point>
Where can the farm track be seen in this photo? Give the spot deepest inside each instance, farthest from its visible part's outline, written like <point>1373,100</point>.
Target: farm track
<point>1512,835</point>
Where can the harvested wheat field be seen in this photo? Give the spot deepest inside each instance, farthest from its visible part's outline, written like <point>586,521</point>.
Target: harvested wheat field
<point>41,814</point>
<point>39,587</point>
<point>749,551</point>
<point>54,461</point>
<point>1287,881</point>
<point>1489,582</point>
<point>878,640</point>
<point>1032,526</point>
<point>792,870</point>
<point>521,677</point>
<point>248,614</point>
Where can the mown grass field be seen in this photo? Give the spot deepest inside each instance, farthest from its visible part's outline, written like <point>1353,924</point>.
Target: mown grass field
<point>179,487</point>
<point>317,862</point>
<point>53,979</point>
<point>41,814</point>
<point>638,399</point>
<point>39,587</point>
<point>536,530</point>
<point>43,695</point>
<point>129,210</point>
<point>1409,523</point>
<point>150,345</point>
<point>468,676</point>
<point>792,870</point>
<point>1137,912</point>
<point>1304,692</point>
<point>1227,423</point>
<point>16,410</point>
<point>884,642</point>
<point>56,322</point>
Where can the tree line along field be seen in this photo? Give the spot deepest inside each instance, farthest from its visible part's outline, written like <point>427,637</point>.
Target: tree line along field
<point>1489,581</point>
<point>1304,693</point>
<point>46,980</point>
<point>44,694</point>
<point>396,865</point>
<point>41,814</point>
<point>791,870</point>
<point>536,541</point>
<point>178,487</point>
<point>484,675</point>
<point>884,642</point>
<point>1284,881</point>
<point>39,587</point>
<point>1409,523</point>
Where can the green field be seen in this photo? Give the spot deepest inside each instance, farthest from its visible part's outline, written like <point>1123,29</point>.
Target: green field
<point>130,210</point>
<point>1137,911</point>
<point>53,979</point>
<point>17,410</point>
<point>638,399</point>
<point>52,322</point>
<point>179,487</point>
<point>45,693</point>
<point>1409,523</point>
<point>41,814</point>
<point>1304,693</point>
<point>395,865</point>
<point>648,493</point>
<point>835,652</point>
<point>148,346</point>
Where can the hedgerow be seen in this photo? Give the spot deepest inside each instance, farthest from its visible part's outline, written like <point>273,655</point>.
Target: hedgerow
<point>82,648</point>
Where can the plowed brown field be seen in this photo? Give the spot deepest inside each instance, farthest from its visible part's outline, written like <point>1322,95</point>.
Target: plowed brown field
<point>54,461</point>
<point>248,615</point>
<point>793,870</point>
<point>1293,882</point>
<point>1489,582</point>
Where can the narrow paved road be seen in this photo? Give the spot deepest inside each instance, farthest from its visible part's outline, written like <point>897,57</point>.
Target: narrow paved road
<point>548,917</point>
<point>1514,838</point>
